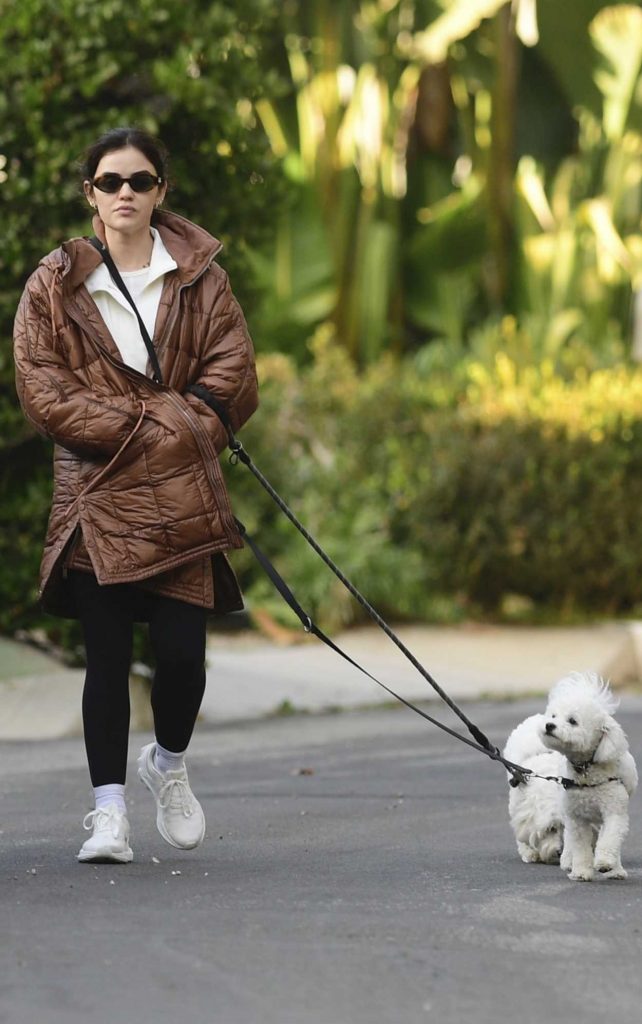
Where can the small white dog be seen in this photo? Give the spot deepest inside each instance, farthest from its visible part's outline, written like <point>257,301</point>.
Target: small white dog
<point>577,738</point>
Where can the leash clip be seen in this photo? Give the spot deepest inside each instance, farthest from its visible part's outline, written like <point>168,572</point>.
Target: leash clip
<point>236,448</point>
<point>520,777</point>
<point>568,783</point>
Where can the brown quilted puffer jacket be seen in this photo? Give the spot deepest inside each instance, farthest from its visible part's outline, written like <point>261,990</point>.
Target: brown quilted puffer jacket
<point>138,490</point>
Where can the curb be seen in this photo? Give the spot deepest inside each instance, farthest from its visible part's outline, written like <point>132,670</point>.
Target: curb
<point>249,678</point>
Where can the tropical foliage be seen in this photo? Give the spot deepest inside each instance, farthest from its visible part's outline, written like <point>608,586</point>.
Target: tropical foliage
<point>450,163</point>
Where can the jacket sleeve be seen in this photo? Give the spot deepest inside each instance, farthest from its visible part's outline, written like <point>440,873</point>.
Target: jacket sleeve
<point>58,405</point>
<point>226,369</point>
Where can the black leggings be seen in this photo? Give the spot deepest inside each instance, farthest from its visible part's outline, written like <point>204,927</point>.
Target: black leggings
<point>177,635</point>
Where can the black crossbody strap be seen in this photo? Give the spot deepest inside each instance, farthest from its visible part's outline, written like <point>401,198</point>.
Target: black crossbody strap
<point>118,281</point>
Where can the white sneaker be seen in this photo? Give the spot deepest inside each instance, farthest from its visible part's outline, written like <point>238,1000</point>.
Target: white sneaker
<point>179,818</point>
<point>109,841</point>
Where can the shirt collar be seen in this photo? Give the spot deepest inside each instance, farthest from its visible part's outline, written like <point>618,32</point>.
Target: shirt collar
<point>100,280</point>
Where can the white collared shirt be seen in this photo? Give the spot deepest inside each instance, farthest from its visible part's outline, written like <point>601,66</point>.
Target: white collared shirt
<point>145,287</point>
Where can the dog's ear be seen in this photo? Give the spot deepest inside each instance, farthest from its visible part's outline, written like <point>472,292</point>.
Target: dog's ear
<point>613,743</point>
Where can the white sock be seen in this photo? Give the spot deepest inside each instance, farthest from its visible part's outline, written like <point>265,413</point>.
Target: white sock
<point>166,761</point>
<point>113,793</point>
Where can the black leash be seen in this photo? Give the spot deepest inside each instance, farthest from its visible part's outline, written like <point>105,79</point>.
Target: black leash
<point>238,454</point>
<point>519,774</point>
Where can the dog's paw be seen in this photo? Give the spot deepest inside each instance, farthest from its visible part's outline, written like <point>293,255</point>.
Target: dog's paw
<point>581,875</point>
<point>528,855</point>
<point>607,863</point>
<point>551,857</point>
<point>612,872</point>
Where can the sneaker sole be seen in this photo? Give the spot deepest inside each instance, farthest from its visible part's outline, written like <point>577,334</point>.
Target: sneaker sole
<point>159,818</point>
<point>106,856</point>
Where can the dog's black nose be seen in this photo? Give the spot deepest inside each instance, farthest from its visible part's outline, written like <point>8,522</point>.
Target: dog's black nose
<point>550,728</point>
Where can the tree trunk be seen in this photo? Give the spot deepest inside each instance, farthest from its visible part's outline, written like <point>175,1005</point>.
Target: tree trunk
<point>501,168</point>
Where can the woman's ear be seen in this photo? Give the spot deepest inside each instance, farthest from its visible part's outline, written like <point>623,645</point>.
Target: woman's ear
<point>88,189</point>
<point>612,745</point>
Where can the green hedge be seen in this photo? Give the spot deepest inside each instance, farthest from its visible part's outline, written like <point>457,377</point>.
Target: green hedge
<point>480,492</point>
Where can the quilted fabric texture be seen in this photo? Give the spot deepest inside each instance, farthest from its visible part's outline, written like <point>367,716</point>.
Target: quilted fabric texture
<point>136,473</point>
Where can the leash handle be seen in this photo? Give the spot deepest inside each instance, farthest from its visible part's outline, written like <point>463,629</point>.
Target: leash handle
<point>216,406</point>
<point>120,284</point>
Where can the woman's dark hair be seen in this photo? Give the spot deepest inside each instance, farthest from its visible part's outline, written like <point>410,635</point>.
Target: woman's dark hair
<point>119,138</point>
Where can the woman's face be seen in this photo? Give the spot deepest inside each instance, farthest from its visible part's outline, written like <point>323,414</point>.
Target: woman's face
<point>125,211</point>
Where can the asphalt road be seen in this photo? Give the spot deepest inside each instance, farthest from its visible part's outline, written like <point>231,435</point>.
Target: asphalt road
<point>358,868</point>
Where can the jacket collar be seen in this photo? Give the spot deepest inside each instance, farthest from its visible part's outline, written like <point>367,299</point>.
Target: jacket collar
<point>191,247</point>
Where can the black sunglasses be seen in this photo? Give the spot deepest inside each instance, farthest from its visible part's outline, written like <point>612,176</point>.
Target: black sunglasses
<point>141,181</point>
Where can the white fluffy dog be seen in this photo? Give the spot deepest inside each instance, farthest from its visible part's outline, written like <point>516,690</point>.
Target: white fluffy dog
<point>577,738</point>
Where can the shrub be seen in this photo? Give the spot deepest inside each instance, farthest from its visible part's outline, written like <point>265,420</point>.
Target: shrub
<point>443,496</point>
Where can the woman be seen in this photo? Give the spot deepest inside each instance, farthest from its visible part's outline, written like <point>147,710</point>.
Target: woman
<point>140,518</point>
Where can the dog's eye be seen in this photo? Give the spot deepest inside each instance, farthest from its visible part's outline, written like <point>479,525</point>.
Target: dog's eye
<point>572,721</point>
